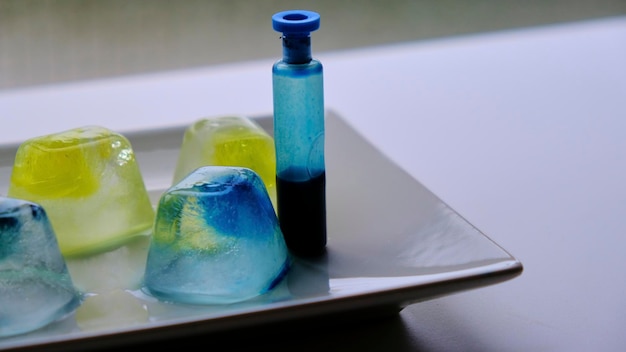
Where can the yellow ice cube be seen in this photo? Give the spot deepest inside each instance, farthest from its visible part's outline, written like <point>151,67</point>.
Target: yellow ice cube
<point>229,141</point>
<point>90,184</point>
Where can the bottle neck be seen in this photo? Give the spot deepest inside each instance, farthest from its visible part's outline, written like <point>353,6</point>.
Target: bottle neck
<point>297,49</point>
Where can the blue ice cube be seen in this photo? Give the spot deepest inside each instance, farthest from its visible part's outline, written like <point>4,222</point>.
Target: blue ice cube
<point>216,239</point>
<point>35,286</point>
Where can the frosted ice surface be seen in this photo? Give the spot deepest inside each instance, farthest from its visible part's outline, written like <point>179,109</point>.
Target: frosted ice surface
<point>89,182</point>
<point>216,239</point>
<point>35,286</point>
<point>229,141</point>
<point>118,269</point>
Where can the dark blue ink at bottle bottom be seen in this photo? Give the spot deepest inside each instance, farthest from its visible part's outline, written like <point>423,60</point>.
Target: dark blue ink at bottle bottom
<point>302,214</point>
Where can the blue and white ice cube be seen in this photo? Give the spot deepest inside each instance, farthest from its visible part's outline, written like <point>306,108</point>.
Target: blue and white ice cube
<point>35,285</point>
<point>216,239</point>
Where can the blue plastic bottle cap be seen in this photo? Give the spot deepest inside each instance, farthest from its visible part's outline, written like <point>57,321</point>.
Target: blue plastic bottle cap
<point>296,21</point>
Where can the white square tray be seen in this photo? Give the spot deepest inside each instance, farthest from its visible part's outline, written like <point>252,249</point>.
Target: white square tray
<point>391,243</point>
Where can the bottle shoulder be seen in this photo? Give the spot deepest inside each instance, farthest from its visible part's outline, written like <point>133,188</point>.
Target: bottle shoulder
<point>313,66</point>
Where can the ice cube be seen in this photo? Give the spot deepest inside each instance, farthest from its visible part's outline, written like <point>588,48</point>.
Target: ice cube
<point>229,141</point>
<point>90,184</point>
<point>35,286</point>
<point>216,239</point>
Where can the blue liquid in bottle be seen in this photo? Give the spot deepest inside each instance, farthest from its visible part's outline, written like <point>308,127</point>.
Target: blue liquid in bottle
<point>298,91</point>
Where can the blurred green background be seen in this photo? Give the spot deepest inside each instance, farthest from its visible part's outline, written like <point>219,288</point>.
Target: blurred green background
<point>51,41</point>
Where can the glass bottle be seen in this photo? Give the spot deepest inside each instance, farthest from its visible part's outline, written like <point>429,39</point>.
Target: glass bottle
<point>298,100</point>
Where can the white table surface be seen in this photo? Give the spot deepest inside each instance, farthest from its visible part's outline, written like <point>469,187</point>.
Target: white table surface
<point>522,132</point>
